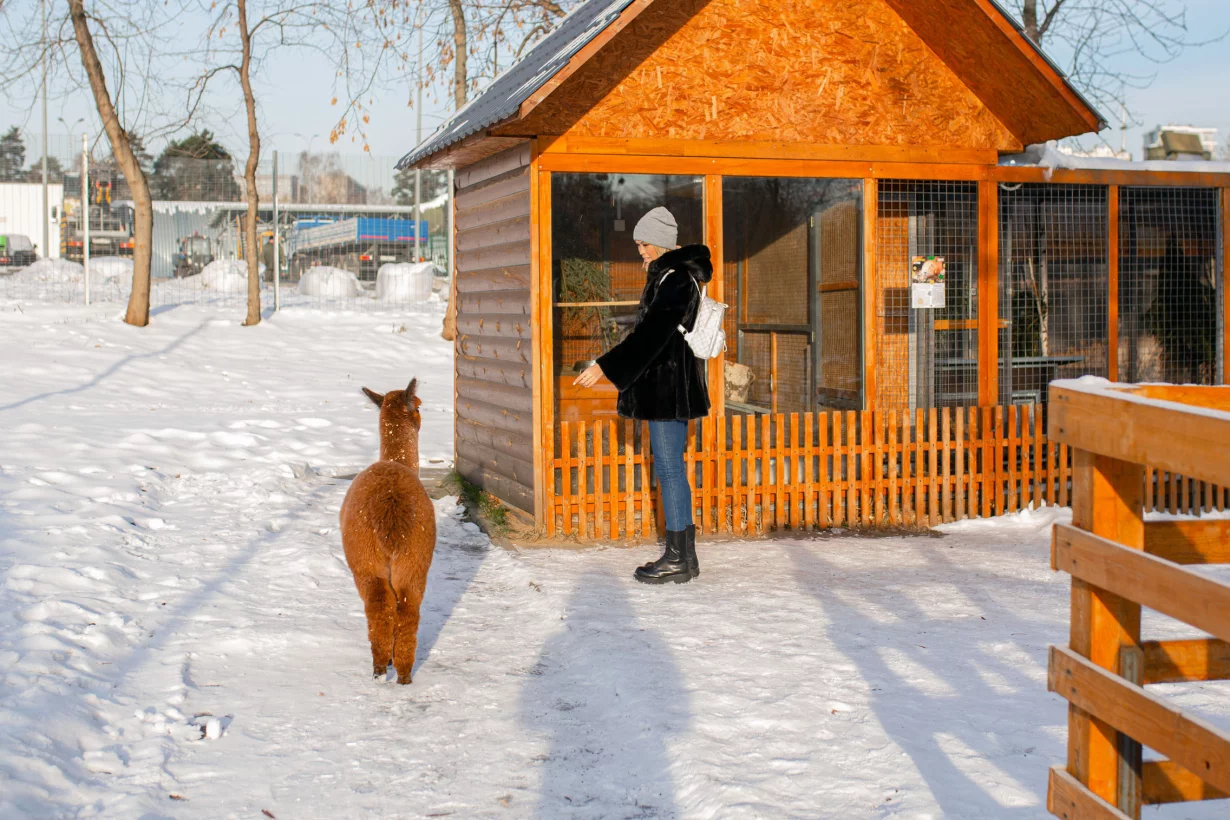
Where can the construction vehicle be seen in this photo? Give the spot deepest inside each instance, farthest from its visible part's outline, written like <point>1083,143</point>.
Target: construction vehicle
<point>111,226</point>
<point>358,244</point>
<point>193,254</point>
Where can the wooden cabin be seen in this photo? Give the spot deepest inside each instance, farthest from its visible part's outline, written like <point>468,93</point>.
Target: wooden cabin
<point>833,155</point>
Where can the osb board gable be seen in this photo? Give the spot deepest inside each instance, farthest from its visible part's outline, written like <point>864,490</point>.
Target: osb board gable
<point>811,71</point>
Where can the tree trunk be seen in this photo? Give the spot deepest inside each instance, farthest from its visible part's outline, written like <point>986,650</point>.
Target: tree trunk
<point>251,241</point>
<point>1029,17</point>
<point>460,48</point>
<point>121,147</point>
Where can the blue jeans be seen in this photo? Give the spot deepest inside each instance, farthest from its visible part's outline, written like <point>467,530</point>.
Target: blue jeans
<point>668,440</point>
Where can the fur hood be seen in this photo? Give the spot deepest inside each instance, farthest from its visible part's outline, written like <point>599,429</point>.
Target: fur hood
<point>691,258</point>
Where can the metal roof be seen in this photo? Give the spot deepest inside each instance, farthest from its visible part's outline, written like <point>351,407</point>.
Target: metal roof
<point>503,97</point>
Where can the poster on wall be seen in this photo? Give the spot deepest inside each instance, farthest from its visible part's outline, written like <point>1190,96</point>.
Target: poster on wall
<point>927,282</point>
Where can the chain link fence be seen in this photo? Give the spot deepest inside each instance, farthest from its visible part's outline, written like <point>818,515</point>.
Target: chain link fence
<point>333,230</point>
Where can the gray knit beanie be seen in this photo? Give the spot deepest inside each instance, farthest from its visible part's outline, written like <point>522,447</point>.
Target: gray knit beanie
<point>657,227</point>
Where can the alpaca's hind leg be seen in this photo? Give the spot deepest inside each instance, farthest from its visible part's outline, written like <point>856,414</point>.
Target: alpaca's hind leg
<point>378,601</point>
<point>409,579</point>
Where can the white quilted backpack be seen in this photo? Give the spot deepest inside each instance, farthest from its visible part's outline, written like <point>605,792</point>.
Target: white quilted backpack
<point>707,338</point>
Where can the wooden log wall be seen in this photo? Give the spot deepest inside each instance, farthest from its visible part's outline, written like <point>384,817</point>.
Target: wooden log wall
<point>802,471</point>
<point>494,418</point>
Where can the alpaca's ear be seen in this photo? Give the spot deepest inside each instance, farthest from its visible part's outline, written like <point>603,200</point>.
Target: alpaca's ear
<point>376,398</point>
<point>412,401</point>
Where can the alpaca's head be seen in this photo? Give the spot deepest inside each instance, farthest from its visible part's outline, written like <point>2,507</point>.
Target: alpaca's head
<point>399,424</point>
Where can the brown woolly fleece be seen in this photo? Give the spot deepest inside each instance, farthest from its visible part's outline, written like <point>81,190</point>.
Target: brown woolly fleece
<point>389,534</point>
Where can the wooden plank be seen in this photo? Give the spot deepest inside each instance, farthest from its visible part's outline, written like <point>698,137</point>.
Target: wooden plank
<point>494,461</point>
<point>1161,434</point>
<point>1087,176</point>
<point>986,432</point>
<point>506,327</point>
<point>999,445</point>
<point>514,278</point>
<point>1106,501</point>
<point>515,374</point>
<point>1068,799</point>
<point>1112,277</point>
<point>502,441</point>
<point>1187,741</point>
<point>988,293</point>
<point>502,188</point>
<point>775,467</point>
<point>933,484</point>
<point>1145,579</point>
<point>583,496</point>
<point>503,488</point>
<point>894,451</point>
<point>501,418</point>
<point>511,302</point>
<point>566,477</point>
<point>629,492</point>
<point>871,328</point>
<point>962,491</point>
<point>1012,474</point>
<point>770,149</point>
<point>824,509</point>
<point>513,230</point>
<point>499,395</point>
<point>541,349</point>
<point>946,461</point>
<point>852,464</point>
<point>738,448</point>
<point>838,488</point>
<point>504,162</point>
<point>510,206</point>
<point>510,254</point>
<point>1196,659</point>
<point>908,510</point>
<point>714,238</point>
<point>1164,781</point>
<point>791,457</point>
<point>867,479</point>
<point>1189,542</point>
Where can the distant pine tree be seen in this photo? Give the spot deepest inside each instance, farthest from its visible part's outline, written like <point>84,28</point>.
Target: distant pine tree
<point>434,183</point>
<point>12,156</point>
<point>196,168</point>
<point>55,171</point>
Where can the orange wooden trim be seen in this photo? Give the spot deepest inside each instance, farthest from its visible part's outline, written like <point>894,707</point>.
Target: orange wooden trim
<point>714,238</point>
<point>752,166</point>
<point>541,495</point>
<point>988,293</point>
<point>544,336</point>
<point>1164,781</point>
<point>1056,80</point>
<point>871,209</point>
<point>1112,283</point>
<point>581,57</point>
<point>1190,742</point>
<point>1068,798</point>
<point>734,149</point>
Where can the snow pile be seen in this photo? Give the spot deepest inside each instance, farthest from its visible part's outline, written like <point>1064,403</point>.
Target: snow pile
<point>110,268</point>
<point>110,278</point>
<point>326,282</point>
<point>51,271</point>
<point>222,275</point>
<point>405,282</point>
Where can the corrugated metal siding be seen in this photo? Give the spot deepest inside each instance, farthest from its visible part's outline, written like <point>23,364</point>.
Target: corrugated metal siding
<point>494,355</point>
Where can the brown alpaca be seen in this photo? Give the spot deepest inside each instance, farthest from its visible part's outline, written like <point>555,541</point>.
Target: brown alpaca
<point>389,534</point>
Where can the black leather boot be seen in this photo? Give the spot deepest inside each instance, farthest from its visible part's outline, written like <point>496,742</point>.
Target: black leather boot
<point>672,567</point>
<point>689,550</point>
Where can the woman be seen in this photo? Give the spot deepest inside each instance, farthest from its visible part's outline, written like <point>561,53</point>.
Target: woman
<point>661,381</point>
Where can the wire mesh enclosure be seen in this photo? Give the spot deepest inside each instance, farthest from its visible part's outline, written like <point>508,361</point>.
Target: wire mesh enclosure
<point>1053,287</point>
<point>927,357</point>
<point>1169,285</point>
<point>343,233</point>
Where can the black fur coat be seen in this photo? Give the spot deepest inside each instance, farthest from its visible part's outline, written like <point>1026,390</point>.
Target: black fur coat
<point>658,376</point>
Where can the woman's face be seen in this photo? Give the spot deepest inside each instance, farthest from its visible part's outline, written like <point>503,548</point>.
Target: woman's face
<point>648,252</point>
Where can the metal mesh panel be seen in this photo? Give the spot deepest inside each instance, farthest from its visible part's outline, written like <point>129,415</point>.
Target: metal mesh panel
<point>927,357</point>
<point>1053,287</point>
<point>1168,285</point>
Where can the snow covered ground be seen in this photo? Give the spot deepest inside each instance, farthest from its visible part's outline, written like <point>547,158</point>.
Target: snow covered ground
<point>180,637</point>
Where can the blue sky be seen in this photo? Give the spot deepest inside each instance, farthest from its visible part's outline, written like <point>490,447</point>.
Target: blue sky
<point>296,90</point>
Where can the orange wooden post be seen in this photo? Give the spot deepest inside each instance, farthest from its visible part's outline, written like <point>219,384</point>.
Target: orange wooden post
<point>1112,283</point>
<point>1225,238</point>
<point>894,451</point>
<point>566,476</point>
<point>962,492</point>
<point>809,483</point>
<point>988,292</point>
<point>716,287</point>
<point>946,461</point>
<point>839,498</point>
<point>629,481</point>
<point>737,463</point>
<point>646,491</point>
<point>1107,501</point>
<point>852,463</point>
<point>825,511</point>
<point>871,329</point>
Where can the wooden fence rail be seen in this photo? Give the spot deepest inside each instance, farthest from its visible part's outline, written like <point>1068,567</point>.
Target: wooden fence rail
<point>1120,563</point>
<point>751,474</point>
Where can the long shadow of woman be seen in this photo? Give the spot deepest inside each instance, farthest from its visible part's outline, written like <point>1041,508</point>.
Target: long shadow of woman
<point>608,696</point>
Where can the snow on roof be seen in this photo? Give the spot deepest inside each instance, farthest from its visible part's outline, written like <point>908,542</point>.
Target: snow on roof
<point>1050,157</point>
<point>504,95</point>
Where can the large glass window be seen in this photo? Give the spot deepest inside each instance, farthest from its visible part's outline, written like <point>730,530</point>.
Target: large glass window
<point>597,273</point>
<point>793,282</point>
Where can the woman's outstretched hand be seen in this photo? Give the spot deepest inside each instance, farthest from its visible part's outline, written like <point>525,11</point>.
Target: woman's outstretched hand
<point>589,376</point>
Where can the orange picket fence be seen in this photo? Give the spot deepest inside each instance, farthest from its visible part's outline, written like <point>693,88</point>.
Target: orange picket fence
<point>870,469</point>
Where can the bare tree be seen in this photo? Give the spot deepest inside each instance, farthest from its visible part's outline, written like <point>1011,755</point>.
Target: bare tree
<point>96,39</point>
<point>1107,46</point>
<point>236,44</point>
